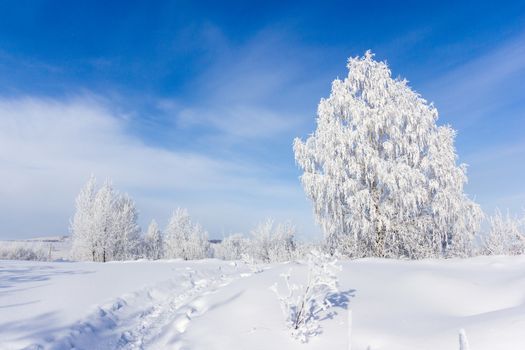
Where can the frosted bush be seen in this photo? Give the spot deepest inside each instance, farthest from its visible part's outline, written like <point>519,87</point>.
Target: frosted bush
<point>269,242</point>
<point>304,248</point>
<point>506,235</point>
<point>24,251</point>
<point>272,242</point>
<point>302,305</point>
<point>233,247</point>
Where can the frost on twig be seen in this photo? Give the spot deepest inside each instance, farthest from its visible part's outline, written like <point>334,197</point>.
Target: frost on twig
<point>303,305</point>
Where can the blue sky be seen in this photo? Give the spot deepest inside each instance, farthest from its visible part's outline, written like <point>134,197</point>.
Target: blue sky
<point>196,104</point>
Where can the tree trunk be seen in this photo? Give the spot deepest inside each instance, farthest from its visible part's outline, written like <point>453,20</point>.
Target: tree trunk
<point>380,231</point>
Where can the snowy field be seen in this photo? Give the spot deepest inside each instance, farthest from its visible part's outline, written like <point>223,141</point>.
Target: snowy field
<point>212,304</point>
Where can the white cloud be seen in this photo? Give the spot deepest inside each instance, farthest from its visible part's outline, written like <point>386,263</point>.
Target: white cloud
<point>266,87</point>
<point>242,122</point>
<point>484,86</point>
<point>484,98</point>
<point>247,105</point>
<point>48,148</point>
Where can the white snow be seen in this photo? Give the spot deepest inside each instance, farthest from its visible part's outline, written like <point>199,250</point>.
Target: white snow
<point>212,304</point>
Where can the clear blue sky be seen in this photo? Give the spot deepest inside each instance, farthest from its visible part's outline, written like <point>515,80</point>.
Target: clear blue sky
<point>196,104</point>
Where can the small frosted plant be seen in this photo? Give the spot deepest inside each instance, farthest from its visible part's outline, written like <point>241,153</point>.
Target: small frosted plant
<point>302,305</point>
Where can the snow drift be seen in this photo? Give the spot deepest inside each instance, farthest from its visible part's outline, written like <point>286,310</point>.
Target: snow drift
<point>211,304</point>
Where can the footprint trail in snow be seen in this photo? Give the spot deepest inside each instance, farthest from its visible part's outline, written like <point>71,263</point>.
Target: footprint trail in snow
<point>151,318</point>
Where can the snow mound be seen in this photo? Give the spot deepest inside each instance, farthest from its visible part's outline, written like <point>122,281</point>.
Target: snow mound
<point>213,304</point>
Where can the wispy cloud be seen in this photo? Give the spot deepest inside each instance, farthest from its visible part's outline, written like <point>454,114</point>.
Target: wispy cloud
<point>223,148</point>
<point>482,87</point>
<point>496,153</point>
<point>238,121</point>
<point>266,87</point>
<point>49,147</point>
<point>484,98</point>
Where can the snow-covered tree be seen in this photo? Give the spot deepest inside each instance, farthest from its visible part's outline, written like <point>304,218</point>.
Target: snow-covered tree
<point>381,174</point>
<point>153,242</point>
<point>261,242</point>
<point>285,246</point>
<point>272,242</point>
<point>302,305</point>
<point>104,226</point>
<point>233,247</point>
<point>184,239</point>
<point>103,218</point>
<point>506,235</point>
<point>127,235</point>
<point>83,241</point>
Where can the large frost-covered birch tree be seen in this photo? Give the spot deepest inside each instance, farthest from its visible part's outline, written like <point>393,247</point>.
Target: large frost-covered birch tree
<point>381,174</point>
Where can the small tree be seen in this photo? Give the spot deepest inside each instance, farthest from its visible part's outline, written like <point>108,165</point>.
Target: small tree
<point>104,226</point>
<point>261,241</point>
<point>81,227</point>
<point>153,242</point>
<point>506,235</point>
<point>284,244</point>
<point>185,239</point>
<point>381,174</point>
<point>273,243</point>
<point>127,240</point>
<point>233,247</point>
<point>103,218</point>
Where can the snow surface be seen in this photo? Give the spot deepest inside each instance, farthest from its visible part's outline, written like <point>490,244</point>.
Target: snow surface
<point>212,304</point>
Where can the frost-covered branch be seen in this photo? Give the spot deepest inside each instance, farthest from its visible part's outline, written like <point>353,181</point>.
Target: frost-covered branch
<point>303,304</point>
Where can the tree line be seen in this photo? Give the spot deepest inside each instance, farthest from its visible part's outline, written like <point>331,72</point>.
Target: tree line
<point>104,228</point>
